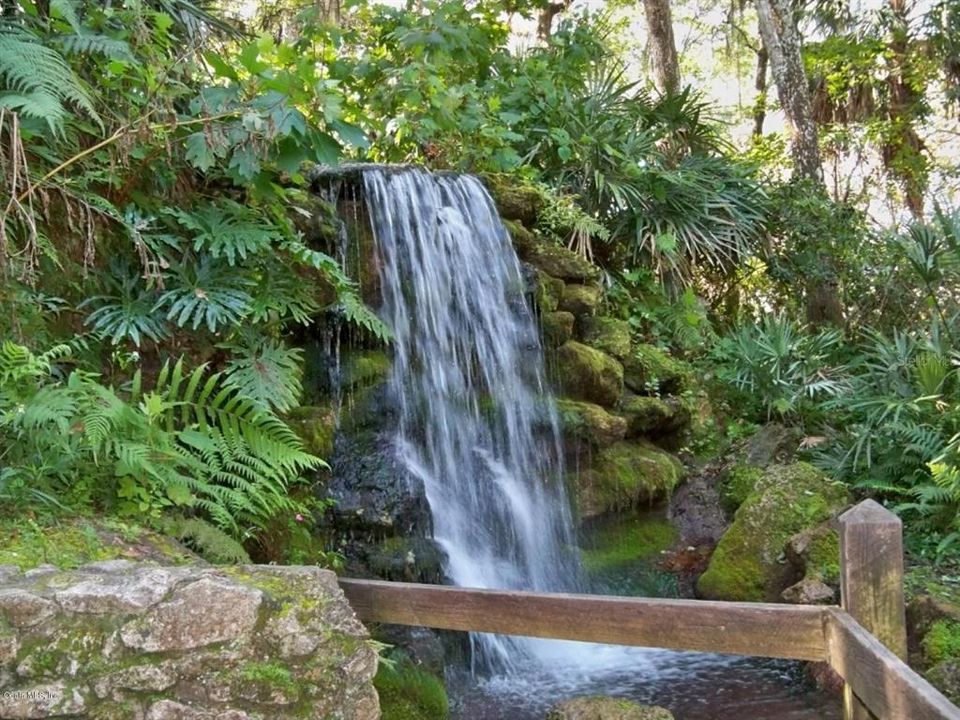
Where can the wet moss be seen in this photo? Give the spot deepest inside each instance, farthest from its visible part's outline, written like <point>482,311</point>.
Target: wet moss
<point>590,423</point>
<point>407,692</point>
<point>625,475</point>
<point>316,426</point>
<point>621,544</point>
<point>588,374</point>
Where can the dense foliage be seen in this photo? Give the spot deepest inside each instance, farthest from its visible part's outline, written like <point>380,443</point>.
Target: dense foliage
<point>155,164</point>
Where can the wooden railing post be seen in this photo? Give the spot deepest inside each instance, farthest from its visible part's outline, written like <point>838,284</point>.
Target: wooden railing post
<point>871,582</point>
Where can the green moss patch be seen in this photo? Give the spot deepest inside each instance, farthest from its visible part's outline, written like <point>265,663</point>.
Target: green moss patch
<point>739,483</point>
<point>608,334</point>
<point>69,544</point>
<point>408,692</point>
<point>590,423</point>
<point>625,475</point>
<point>942,641</point>
<point>650,371</point>
<point>588,374</point>
<point>620,544</point>
<point>748,562</point>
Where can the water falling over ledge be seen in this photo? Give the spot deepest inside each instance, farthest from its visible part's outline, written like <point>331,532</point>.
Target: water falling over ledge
<point>476,425</point>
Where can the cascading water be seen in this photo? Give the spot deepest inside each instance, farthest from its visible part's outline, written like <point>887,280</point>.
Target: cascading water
<point>478,427</point>
<point>476,423</point>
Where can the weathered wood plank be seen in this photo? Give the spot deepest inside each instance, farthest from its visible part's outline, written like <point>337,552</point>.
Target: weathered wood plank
<point>760,629</point>
<point>881,680</point>
<point>871,582</point>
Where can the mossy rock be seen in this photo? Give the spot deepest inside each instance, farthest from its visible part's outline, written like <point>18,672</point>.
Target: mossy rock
<point>409,692</point>
<point>514,198</point>
<point>610,335</point>
<point>581,300</point>
<point>316,426</point>
<point>557,327</point>
<point>559,262</point>
<point>549,292</point>
<point>652,416</point>
<point>363,368</point>
<point>649,370</point>
<point>70,544</point>
<point>739,482</point>
<point>588,374</point>
<point>945,676</point>
<point>523,239</point>
<point>406,559</point>
<point>747,564</point>
<point>590,423</point>
<point>625,475</point>
<point>606,708</point>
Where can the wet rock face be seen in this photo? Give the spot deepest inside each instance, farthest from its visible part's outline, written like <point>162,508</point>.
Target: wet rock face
<point>137,641</point>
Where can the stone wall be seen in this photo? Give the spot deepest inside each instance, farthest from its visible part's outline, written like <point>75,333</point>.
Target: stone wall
<point>136,641</point>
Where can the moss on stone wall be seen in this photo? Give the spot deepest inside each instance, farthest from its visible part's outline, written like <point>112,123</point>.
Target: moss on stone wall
<point>624,475</point>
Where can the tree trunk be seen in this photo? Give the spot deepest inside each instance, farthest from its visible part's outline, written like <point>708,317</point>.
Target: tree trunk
<point>781,38</point>
<point>903,149</point>
<point>663,48</point>
<point>547,14</point>
<point>760,83</point>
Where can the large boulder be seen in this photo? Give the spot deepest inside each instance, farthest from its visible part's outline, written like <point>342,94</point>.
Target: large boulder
<point>559,262</point>
<point>514,199</point>
<point>786,500</point>
<point>590,424</point>
<point>610,335</point>
<point>557,327</point>
<point>606,708</point>
<point>581,300</point>
<point>119,639</point>
<point>649,370</point>
<point>653,416</point>
<point>588,374</point>
<point>623,476</point>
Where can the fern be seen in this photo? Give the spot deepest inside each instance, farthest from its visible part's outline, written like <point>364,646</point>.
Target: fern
<point>226,230</point>
<point>268,373</point>
<point>209,540</point>
<point>39,82</point>
<point>205,293</point>
<point>126,310</point>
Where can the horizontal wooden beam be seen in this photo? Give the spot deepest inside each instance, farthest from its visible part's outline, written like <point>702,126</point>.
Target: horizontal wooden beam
<point>881,680</point>
<point>760,629</point>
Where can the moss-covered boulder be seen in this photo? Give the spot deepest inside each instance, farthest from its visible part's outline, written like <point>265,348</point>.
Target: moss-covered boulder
<point>652,416</point>
<point>65,544</point>
<point>737,484</point>
<point>315,425</point>
<point>557,327</point>
<point>610,335</point>
<point>581,300</point>
<point>588,374</point>
<point>523,238</point>
<point>606,708</point>
<point>748,562</point>
<point>409,692</point>
<point>590,423</point>
<point>649,370</point>
<point>624,475</point>
<point>945,676</point>
<point>515,199</point>
<point>549,292</point>
<point>559,262</point>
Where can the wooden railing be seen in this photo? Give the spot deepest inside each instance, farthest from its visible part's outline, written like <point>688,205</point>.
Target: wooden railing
<point>864,641</point>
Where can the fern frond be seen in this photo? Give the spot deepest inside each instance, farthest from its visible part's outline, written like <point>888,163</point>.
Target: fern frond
<point>39,80</point>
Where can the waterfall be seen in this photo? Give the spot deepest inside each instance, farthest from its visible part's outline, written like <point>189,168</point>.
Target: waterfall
<point>477,423</point>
